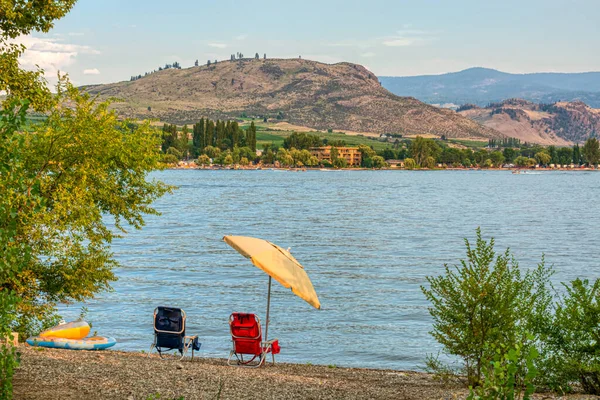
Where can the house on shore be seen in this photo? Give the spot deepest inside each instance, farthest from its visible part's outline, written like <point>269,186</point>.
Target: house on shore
<point>351,154</point>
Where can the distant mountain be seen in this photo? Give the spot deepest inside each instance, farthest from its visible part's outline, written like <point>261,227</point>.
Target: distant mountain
<point>481,86</point>
<point>341,96</point>
<point>558,124</point>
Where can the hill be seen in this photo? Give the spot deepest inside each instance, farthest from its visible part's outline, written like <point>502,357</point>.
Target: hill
<point>561,123</point>
<point>343,97</point>
<point>482,86</point>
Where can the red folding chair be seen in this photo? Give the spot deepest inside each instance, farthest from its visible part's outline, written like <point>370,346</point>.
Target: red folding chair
<point>246,336</point>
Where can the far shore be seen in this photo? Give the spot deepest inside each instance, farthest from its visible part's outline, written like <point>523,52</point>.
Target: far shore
<point>69,374</point>
<point>193,166</point>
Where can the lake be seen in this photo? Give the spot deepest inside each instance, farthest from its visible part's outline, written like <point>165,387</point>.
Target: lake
<point>367,239</point>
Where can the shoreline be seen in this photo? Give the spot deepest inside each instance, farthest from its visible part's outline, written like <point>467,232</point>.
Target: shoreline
<point>304,169</point>
<point>70,374</point>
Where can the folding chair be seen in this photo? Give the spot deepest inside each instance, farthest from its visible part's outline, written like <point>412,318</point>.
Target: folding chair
<point>246,336</point>
<point>169,332</point>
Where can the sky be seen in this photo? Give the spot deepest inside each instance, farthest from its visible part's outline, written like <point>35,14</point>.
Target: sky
<point>111,40</point>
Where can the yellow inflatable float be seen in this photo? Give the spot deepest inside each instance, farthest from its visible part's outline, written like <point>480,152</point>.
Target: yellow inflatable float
<point>70,330</point>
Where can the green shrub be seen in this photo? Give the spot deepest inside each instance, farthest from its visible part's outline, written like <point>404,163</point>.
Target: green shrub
<point>486,303</point>
<point>8,355</point>
<point>571,351</point>
<point>508,375</point>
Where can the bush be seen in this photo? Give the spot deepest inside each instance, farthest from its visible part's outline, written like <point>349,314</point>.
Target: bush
<point>8,355</point>
<point>486,303</point>
<point>508,375</point>
<point>572,340</point>
<point>410,163</point>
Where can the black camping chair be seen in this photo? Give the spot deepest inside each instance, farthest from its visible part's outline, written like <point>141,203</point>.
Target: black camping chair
<point>169,332</point>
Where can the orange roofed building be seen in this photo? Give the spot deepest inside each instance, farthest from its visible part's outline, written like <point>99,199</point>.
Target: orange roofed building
<point>351,154</point>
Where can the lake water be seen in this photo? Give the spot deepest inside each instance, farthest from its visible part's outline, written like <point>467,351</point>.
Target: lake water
<point>367,239</point>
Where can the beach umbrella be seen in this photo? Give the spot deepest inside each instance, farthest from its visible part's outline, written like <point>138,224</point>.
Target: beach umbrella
<point>279,264</point>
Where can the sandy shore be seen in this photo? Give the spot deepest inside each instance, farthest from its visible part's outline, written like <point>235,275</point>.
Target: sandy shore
<point>66,374</point>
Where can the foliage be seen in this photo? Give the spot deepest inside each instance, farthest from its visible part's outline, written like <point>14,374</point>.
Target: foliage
<point>302,141</point>
<point>13,253</point>
<point>421,149</point>
<point>86,166</point>
<point>410,163</point>
<point>509,375</point>
<point>378,162</point>
<point>485,303</point>
<point>591,151</point>
<point>543,158</point>
<point>203,160</point>
<point>340,162</point>
<point>572,346</point>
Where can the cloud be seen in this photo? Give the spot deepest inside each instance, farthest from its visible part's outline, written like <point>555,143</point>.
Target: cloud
<point>50,54</point>
<point>241,37</point>
<point>91,71</point>
<point>409,37</point>
<point>218,45</point>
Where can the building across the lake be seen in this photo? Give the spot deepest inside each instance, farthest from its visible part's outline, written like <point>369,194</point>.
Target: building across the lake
<point>351,154</point>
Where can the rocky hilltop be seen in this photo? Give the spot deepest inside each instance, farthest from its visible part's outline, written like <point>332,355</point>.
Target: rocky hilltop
<point>342,96</point>
<point>561,123</point>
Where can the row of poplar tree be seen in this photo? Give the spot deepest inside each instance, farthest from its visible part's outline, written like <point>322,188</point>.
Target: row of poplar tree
<point>224,135</point>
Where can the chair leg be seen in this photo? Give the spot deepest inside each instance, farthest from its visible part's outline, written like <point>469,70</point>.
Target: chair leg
<point>150,351</point>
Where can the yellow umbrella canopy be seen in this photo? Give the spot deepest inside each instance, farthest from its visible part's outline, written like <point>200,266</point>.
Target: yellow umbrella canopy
<point>278,264</point>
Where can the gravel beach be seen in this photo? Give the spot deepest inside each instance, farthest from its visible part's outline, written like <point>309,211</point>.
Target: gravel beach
<point>67,374</point>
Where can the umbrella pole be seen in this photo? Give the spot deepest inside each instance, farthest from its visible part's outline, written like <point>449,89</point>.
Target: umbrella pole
<point>268,306</point>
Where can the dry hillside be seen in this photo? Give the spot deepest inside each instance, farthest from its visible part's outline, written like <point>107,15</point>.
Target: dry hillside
<point>341,96</point>
<point>559,123</point>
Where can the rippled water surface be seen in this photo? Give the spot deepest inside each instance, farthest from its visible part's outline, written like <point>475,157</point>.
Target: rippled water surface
<point>367,239</point>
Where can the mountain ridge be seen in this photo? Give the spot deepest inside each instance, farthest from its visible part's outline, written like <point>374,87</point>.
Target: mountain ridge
<point>342,96</point>
<point>481,86</point>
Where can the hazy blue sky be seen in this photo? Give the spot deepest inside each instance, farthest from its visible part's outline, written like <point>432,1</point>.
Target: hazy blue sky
<point>108,40</point>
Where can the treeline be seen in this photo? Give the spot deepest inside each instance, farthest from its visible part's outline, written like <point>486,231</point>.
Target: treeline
<point>207,137</point>
<point>427,153</point>
<point>175,65</point>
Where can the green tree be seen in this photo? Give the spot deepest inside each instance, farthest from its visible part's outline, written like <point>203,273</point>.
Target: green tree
<point>486,303</point>
<point>251,137</point>
<point>543,158</point>
<point>497,158</point>
<point>410,163</point>
<point>572,348</point>
<point>302,141</point>
<point>577,158</point>
<point>212,152</point>
<point>334,154</point>
<point>378,162</point>
<point>203,160</point>
<point>87,165</point>
<point>367,154</point>
<point>340,162</point>
<point>421,148</point>
<point>429,162</point>
<point>285,158</point>
<point>591,151</point>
